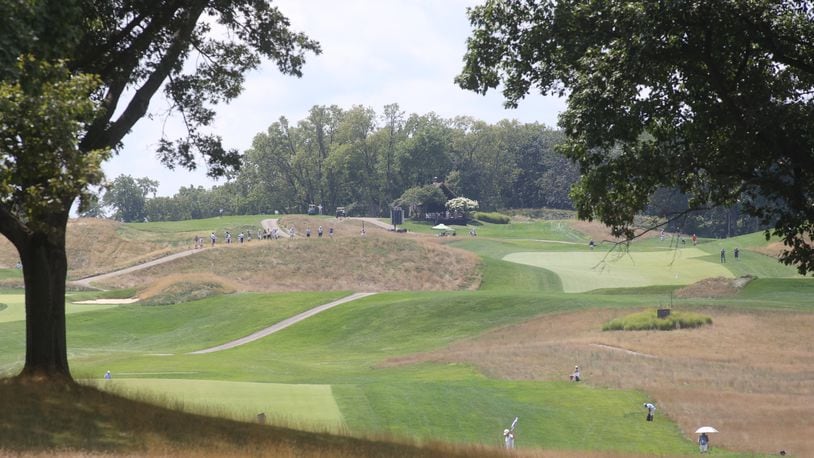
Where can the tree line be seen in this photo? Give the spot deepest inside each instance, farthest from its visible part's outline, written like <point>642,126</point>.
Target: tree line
<point>365,161</point>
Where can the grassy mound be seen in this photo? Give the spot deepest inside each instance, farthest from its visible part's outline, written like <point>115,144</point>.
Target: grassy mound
<point>180,288</point>
<point>715,287</point>
<point>381,261</point>
<point>648,320</point>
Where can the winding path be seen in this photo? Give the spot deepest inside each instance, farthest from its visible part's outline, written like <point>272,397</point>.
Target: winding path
<point>87,280</point>
<point>267,224</point>
<point>281,325</point>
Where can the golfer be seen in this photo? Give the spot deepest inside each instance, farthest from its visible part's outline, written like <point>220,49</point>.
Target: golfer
<point>508,438</point>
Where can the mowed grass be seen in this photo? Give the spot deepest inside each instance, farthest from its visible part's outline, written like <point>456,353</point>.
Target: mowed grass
<point>16,307</point>
<point>306,407</point>
<point>348,347</point>
<point>371,354</point>
<point>585,271</point>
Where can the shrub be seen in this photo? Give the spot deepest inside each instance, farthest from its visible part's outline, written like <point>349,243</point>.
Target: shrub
<point>491,217</point>
<point>648,320</point>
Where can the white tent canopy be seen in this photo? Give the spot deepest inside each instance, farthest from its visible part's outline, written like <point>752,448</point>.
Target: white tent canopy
<point>442,227</point>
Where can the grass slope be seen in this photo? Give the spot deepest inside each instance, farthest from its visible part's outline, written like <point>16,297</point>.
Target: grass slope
<point>369,352</point>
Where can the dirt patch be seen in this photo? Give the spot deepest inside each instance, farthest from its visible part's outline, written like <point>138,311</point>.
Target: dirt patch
<point>714,287</point>
<point>773,249</point>
<point>758,396</point>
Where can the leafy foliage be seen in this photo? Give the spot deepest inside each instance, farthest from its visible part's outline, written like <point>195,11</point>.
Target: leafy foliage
<point>42,116</point>
<point>75,77</point>
<point>128,195</point>
<point>710,98</point>
<point>361,160</point>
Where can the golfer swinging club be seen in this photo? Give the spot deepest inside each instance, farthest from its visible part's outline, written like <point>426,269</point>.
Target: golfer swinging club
<point>508,435</point>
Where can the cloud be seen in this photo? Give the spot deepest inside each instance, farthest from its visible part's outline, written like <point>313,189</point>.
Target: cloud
<point>374,53</point>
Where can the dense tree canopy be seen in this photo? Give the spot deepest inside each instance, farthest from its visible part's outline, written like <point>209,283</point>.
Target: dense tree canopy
<point>714,99</point>
<point>128,197</point>
<point>364,161</point>
<point>75,77</point>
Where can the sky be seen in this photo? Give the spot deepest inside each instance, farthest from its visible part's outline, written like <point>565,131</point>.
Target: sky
<point>374,53</point>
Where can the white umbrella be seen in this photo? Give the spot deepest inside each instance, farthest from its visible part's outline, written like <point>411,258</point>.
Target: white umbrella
<point>706,429</point>
<point>442,227</point>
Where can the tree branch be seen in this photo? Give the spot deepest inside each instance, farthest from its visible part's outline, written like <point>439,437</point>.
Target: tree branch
<point>139,104</point>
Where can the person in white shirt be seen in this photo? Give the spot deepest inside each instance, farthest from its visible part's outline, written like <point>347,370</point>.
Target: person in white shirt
<point>651,409</point>
<point>575,376</point>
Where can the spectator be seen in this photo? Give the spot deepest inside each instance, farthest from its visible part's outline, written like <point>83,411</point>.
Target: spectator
<point>575,376</point>
<point>703,442</point>
<point>651,409</point>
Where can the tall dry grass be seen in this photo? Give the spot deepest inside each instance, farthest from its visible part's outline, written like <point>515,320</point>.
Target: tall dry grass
<point>379,261</point>
<point>749,374</point>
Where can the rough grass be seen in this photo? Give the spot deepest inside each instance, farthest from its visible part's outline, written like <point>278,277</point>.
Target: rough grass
<point>748,374</point>
<point>648,320</point>
<point>179,288</point>
<point>380,261</point>
<point>714,287</point>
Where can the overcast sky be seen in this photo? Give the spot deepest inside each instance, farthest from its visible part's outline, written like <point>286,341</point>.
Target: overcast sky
<point>374,52</point>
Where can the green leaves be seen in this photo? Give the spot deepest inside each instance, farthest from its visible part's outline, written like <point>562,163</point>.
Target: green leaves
<point>42,116</point>
<point>712,98</point>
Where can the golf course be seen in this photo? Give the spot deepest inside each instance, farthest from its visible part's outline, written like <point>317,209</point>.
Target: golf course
<point>459,336</point>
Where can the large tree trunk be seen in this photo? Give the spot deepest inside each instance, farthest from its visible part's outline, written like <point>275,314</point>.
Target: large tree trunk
<point>45,269</point>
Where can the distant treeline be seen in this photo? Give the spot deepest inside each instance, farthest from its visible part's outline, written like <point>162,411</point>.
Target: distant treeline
<point>365,161</point>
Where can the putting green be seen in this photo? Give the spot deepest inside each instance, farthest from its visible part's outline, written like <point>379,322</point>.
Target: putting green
<point>16,307</point>
<point>588,270</point>
<point>309,407</point>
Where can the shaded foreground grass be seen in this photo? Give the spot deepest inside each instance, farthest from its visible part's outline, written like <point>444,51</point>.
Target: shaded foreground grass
<point>53,418</point>
<point>60,420</point>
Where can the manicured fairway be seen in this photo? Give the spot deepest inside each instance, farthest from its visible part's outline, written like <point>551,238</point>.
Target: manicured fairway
<point>16,307</point>
<point>582,271</point>
<point>302,406</point>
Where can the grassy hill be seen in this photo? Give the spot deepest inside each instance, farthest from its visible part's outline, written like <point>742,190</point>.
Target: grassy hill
<point>445,364</point>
